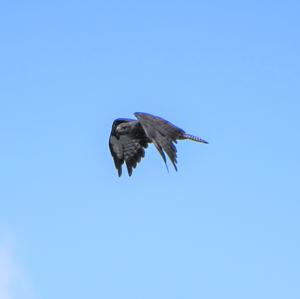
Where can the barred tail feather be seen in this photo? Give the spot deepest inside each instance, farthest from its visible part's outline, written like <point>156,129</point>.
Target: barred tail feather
<point>194,138</point>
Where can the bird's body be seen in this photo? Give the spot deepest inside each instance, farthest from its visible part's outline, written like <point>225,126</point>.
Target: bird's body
<point>129,138</point>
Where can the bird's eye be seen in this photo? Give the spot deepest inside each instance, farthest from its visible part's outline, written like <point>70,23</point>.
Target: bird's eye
<point>121,128</point>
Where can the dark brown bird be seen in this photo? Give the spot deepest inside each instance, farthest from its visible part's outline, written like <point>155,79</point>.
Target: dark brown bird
<point>129,138</point>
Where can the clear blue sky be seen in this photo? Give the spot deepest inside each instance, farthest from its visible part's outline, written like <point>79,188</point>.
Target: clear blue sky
<point>226,225</point>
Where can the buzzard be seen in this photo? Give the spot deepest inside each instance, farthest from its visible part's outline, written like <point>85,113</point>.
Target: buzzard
<point>129,138</point>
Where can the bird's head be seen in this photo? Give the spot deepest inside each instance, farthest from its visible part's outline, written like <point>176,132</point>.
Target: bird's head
<point>120,125</point>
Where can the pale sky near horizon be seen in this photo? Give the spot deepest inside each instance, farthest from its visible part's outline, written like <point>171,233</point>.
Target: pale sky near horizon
<point>226,225</point>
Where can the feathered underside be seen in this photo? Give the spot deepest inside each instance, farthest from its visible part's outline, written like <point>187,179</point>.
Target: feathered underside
<point>129,138</point>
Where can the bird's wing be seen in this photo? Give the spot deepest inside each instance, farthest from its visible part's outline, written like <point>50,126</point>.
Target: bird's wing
<point>126,148</point>
<point>162,133</point>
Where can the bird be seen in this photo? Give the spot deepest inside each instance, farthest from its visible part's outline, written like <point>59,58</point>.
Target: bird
<point>130,137</point>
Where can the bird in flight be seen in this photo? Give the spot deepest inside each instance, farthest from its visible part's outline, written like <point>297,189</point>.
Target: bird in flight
<point>129,138</point>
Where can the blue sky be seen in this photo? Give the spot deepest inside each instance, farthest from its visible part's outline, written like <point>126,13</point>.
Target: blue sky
<point>226,225</point>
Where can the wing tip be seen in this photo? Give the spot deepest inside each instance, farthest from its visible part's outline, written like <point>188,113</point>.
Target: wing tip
<point>119,171</point>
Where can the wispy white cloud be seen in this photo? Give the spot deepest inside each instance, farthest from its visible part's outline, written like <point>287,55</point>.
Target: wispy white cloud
<point>13,281</point>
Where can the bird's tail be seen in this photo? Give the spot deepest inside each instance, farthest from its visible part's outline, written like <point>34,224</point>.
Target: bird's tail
<point>194,138</point>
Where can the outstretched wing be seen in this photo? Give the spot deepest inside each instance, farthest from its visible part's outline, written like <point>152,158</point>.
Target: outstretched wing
<point>128,149</point>
<point>162,133</point>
